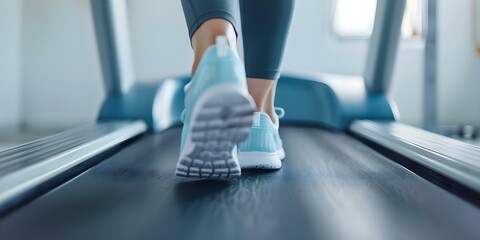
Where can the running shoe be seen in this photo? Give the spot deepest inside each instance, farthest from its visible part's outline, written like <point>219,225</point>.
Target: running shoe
<point>263,149</point>
<point>217,116</point>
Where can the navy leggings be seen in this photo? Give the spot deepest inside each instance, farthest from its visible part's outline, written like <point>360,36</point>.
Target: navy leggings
<point>265,25</point>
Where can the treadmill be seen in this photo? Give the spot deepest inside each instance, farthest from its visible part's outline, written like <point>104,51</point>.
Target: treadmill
<point>351,172</point>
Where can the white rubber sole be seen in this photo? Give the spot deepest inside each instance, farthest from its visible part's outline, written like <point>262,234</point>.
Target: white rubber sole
<point>221,118</point>
<point>261,160</point>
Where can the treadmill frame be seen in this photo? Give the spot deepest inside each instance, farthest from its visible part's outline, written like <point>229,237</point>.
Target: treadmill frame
<point>329,100</point>
<point>332,101</point>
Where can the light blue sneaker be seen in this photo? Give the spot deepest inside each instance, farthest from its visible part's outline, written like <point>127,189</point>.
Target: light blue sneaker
<point>263,149</point>
<point>218,115</point>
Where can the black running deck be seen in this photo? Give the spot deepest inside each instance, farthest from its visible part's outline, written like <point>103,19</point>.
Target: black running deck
<point>331,187</point>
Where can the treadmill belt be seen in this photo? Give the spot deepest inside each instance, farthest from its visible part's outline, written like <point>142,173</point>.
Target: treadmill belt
<point>331,187</point>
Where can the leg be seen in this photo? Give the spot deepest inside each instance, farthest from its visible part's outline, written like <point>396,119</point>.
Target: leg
<point>218,108</point>
<point>205,36</point>
<point>263,93</point>
<point>207,19</point>
<point>265,25</point>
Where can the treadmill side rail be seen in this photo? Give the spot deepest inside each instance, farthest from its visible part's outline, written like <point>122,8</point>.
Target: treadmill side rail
<point>27,166</point>
<point>452,158</point>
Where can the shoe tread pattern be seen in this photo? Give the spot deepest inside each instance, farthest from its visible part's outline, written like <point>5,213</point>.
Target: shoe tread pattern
<point>223,121</point>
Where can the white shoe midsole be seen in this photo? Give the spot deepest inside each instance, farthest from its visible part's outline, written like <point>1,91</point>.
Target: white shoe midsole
<point>280,154</point>
<point>267,160</point>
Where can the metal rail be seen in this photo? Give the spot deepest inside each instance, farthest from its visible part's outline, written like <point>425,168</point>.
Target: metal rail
<point>112,33</point>
<point>384,45</point>
<point>26,166</point>
<point>452,158</point>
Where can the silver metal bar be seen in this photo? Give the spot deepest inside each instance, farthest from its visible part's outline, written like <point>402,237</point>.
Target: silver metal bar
<point>36,169</point>
<point>113,42</point>
<point>430,85</point>
<point>455,159</point>
<point>430,92</point>
<point>384,44</point>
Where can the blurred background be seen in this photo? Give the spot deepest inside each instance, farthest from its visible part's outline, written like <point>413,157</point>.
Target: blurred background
<point>50,75</point>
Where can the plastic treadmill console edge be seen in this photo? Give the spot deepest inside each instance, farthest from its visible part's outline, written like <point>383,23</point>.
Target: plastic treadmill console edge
<point>332,101</point>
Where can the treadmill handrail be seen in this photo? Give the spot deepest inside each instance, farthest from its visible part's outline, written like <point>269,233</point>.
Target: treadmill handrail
<point>452,158</point>
<point>53,163</point>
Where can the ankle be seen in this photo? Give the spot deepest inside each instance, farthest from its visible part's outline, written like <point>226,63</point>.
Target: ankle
<point>206,35</point>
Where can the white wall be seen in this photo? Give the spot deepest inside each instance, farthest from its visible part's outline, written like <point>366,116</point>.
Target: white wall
<point>61,74</point>
<point>313,46</point>
<point>10,16</point>
<point>62,81</point>
<point>62,85</point>
<point>159,38</point>
<point>459,65</point>
<point>161,48</point>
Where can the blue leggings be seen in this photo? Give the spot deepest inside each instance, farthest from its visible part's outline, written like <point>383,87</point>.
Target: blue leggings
<point>265,25</point>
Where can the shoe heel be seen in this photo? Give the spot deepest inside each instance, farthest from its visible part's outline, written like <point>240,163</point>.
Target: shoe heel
<point>222,119</point>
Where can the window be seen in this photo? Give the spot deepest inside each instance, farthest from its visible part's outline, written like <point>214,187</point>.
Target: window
<point>354,18</point>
